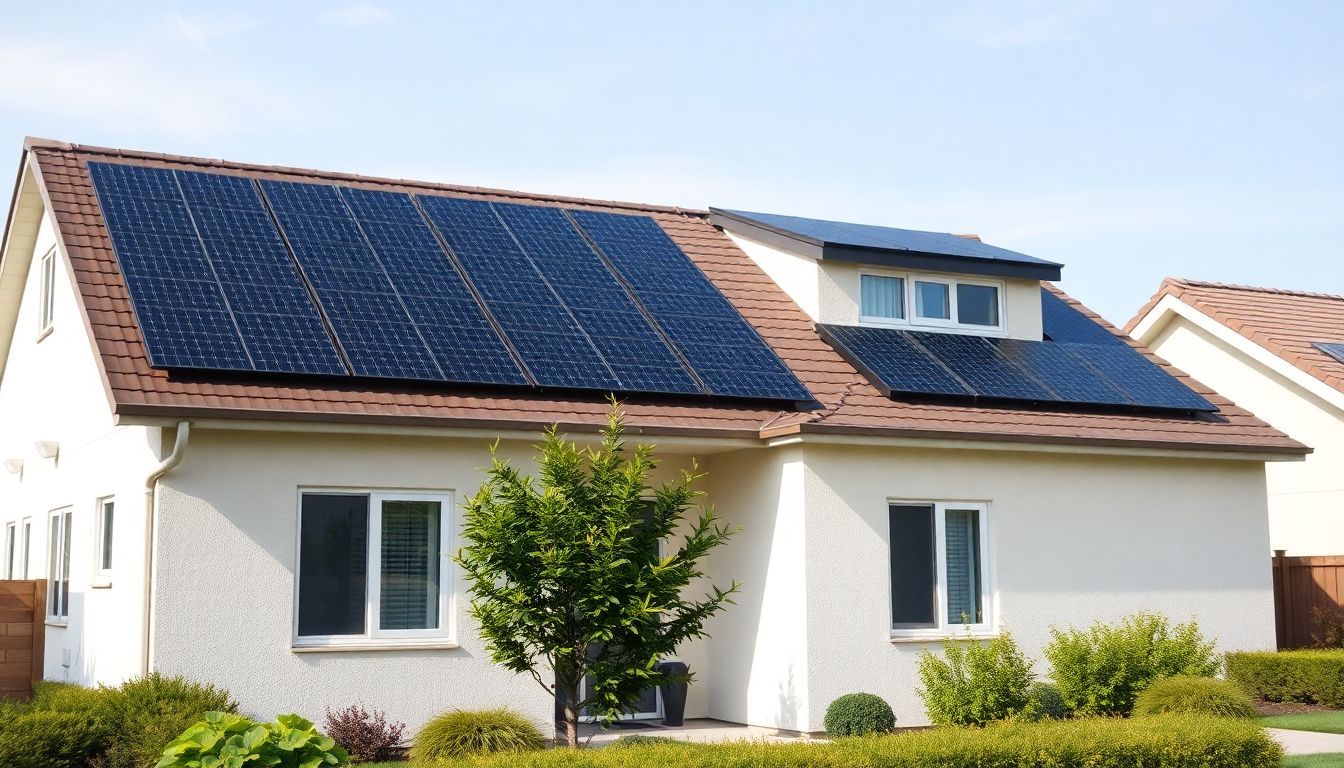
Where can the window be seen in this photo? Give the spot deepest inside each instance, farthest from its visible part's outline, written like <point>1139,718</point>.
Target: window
<point>935,302</point>
<point>939,573</point>
<point>27,546</point>
<point>58,567</point>
<point>106,516</point>
<point>46,303</point>
<point>373,566</point>
<point>11,542</point>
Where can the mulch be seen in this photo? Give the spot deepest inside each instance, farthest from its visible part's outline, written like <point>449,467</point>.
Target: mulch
<point>1266,708</point>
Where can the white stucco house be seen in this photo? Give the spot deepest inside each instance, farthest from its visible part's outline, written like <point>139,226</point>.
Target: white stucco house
<point>1281,354</point>
<point>953,441</point>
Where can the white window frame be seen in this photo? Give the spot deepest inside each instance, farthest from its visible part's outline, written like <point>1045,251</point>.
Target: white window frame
<point>943,627</point>
<point>912,321</point>
<point>373,637</point>
<point>11,549</point>
<point>27,529</point>
<point>60,564</point>
<point>102,575</point>
<point>46,303</point>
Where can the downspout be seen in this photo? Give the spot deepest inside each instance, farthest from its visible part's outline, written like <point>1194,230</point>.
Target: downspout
<point>151,492</point>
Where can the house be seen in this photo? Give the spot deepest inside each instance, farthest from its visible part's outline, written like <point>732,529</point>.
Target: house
<point>242,405</point>
<point>1281,354</point>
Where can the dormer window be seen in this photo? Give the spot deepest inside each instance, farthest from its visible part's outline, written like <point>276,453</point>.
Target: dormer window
<point>937,302</point>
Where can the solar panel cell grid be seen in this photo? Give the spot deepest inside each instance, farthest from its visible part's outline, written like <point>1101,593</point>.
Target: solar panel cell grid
<point>977,363</point>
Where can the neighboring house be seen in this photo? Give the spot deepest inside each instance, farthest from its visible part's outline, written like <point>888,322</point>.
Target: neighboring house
<point>1281,354</point>
<point>919,438</point>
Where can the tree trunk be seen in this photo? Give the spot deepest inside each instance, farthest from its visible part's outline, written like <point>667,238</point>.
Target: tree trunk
<point>566,713</point>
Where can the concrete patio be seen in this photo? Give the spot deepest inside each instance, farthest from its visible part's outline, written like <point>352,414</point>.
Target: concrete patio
<point>697,730</point>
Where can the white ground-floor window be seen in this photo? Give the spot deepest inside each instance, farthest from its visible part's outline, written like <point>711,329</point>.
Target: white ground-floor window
<point>939,567</point>
<point>106,511</point>
<point>373,567</point>
<point>58,566</point>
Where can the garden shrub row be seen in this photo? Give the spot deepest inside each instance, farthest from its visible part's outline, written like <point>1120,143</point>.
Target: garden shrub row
<point>1313,677</point>
<point>1170,741</point>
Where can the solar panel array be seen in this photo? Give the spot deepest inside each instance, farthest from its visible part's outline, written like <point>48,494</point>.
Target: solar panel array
<point>230,273</point>
<point>1334,349</point>
<point>1077,367</point>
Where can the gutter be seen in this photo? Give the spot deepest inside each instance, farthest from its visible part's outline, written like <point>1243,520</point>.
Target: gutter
<point>151,499</point>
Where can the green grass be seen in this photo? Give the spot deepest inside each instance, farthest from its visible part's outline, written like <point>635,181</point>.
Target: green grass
<point>1332,760</point>
<point>1321,722</point>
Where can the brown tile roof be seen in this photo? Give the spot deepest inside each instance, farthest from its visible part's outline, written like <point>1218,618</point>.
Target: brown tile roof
<point>1283,322</point>
<point>850,404</point>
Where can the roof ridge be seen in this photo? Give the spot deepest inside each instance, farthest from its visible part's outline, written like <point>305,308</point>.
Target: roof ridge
<point>1191,283</point>
<point>33,143</point>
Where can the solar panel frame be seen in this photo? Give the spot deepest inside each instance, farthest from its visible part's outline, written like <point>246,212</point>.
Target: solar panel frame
<point>1334,349</point>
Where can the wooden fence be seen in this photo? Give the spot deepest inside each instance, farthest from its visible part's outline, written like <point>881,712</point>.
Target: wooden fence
<point>1302,584</point>
<point>22,631</point>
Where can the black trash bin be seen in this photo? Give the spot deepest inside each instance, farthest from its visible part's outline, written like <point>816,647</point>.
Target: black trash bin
<point>674,694</point>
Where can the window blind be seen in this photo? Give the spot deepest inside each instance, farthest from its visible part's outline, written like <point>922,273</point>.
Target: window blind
<point>409,577</point>
<point>962,530</point>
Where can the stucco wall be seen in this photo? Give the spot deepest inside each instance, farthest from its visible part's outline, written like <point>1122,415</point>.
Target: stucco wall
<point>1072,539</point>
<point>52,391</point>
<point>1306,498</point>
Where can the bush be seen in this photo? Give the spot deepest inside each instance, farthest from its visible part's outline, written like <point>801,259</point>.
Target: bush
<point>1046,703</point>
<point>1312,677</point>
<point>640,740</point>
<point>1328,627</point>
<point>1195,696</point>
<point>1175,741</point>
<point>859,714</point>
<point>146,713</point>
<point>977,683</point>
<point>1101,671</point>
<point>67,697</point>
<point>233,740</point>
<point>49,738</point>
<point>367,736</point>
<point>462,732</point>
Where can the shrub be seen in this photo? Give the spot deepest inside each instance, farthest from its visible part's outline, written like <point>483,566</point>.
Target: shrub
<point>67,697</point>
<point>1194,695</point>
<point>977,683</point>
<point>1175,741</point>
<point>146,713</point>
<point>60,726</point>
<point>462,732</point>
<point>233,740</point>
<point>1312,677</point>
<point>1328,627</point>
<point>640,740</point>
<point>367,736</point>
<point>859,714</point>
<point>1046,703</point>
<point>1102,670</point>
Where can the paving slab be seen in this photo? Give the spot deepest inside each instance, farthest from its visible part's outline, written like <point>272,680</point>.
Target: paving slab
<point>1307,742</point>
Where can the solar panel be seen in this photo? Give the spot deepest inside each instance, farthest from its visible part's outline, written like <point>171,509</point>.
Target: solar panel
<point>1059,372</point>
<point>1061,322</point>
<point>893,361</point>
<point>977,363</point>
<point>1334,349</point>
<point>365,312</point>
<point>1143,381</point>
<point>449,318</point>
<point>721,347</point>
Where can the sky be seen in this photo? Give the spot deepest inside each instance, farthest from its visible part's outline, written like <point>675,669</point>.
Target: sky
<point>1128,140</point>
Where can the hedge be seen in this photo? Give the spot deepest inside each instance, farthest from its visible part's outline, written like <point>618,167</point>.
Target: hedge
<point>1168,741</point>
<point>1312,677</point>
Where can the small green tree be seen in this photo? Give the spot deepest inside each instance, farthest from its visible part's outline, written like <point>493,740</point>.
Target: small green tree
<point>565,574</point>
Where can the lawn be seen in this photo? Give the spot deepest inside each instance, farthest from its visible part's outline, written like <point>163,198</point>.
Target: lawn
<point>1321,722</point>
<point>1332,760</point>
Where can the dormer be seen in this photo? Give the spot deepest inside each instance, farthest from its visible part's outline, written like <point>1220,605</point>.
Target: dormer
<point>863,275</point>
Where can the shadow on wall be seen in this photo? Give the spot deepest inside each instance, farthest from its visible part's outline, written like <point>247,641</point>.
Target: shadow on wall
<point>788,714</point>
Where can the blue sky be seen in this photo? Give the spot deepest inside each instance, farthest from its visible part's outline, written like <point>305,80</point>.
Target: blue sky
<point>1129,141</point>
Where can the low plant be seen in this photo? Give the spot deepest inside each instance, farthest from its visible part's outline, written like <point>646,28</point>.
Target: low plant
<point>367,736</point>
<point>49,738</point>
<point>469,732</point>
<point>226,740</point>
<point>1102,670</point>
<point>1311,677</point>
<point>1194,695</point>
<point>975,683</point>
<point>1327,627</point>
<point>641,740</point>
<point>1045,703</point>
<point>147,712</point>
<point>67,697</point>
<point>859,714</point>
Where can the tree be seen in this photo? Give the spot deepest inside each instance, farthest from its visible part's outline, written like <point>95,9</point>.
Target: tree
<point>565,575</point>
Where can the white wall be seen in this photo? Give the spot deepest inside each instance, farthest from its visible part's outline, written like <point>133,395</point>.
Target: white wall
<point>1306,498</point>
<point>52,390</point>
<point>1072,539</point>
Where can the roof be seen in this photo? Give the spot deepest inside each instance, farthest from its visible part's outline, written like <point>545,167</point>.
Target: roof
<point>888,246</point>
<point>1286,323</point>
<point>851,406</point>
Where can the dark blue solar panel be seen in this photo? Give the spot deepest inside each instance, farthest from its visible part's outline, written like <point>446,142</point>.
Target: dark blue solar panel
<point>441,305</point>
<point>1051,365</point>
<point>721,347</point>
<point>895,360</point>
<point>1061,322</point>
<point>365,311</point>
<point>1143,381</point>
<point>635,352</point>
<point>548,338</point>
<point>1334,349</point>
<point>279,324</point>
<point>976,362</point>
<point>181,310</point>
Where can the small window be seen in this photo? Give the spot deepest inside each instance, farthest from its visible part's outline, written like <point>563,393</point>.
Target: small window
<point>47,301</point>
<point>11,545</point>
<point>938,566</point>
<point>58,567</point>
<point>107,509</point>
<point>372,566</point>
<point>881,297</point>
<point>27,547</point>
<point>977,304</point>
<point>932,300</point>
